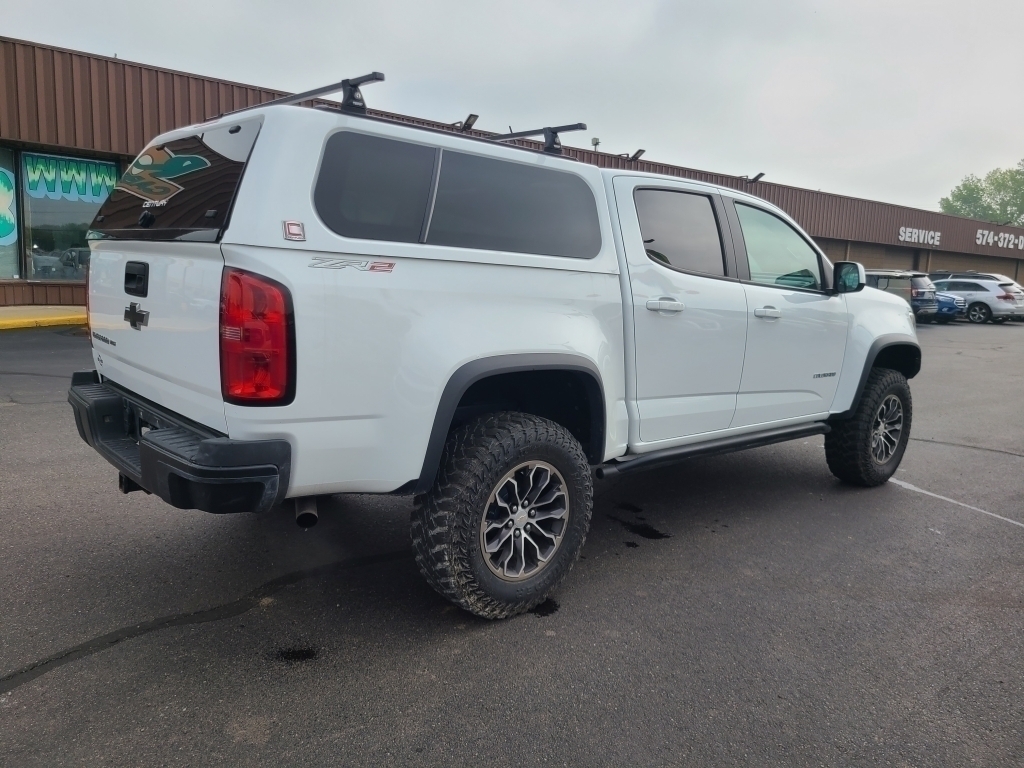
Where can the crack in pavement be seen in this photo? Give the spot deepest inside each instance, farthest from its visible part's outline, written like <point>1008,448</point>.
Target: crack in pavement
<point>45,375</point>
<point>965,445</point>
<point>237,607</point>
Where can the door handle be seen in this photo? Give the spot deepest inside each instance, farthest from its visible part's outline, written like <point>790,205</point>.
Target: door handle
<point>767,312</point>
<point>665,305</point>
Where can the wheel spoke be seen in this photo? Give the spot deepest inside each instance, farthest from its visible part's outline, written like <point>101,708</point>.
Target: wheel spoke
<point>540,478</point>
<point>498,543</point>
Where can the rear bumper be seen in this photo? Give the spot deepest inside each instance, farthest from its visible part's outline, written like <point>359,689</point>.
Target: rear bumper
<point>1007,309</point>
<point>186,465</point>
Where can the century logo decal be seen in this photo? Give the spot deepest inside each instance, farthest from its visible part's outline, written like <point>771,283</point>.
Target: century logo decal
<point>149,177</point>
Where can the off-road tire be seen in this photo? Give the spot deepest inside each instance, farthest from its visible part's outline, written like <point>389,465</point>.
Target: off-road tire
<point>979,313</point>
<point>848,445</point>
<point>446,520</point>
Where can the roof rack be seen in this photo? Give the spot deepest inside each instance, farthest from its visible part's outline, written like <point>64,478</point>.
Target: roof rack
<point>551,143</point>
<point>352,97</point>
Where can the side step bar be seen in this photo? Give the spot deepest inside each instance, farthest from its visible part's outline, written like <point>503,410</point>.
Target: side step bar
<point>711,448</point>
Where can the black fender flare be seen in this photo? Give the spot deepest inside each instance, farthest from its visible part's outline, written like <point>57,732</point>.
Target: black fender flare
<point>477,370</point>
<point>888,341</point>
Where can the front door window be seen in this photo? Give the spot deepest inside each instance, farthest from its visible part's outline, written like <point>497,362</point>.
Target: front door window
<point>777,255</point>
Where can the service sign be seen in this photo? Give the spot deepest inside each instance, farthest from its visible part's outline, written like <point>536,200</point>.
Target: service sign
<point>924,236</point>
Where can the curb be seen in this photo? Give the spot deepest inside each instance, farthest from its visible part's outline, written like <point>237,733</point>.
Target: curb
<point>41,322</point>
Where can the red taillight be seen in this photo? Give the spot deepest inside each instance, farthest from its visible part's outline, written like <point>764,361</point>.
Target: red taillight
<point>257,365</point>
<point>1005,297</point>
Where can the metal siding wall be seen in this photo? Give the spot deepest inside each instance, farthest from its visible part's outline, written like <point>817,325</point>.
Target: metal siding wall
<point>69,100</point>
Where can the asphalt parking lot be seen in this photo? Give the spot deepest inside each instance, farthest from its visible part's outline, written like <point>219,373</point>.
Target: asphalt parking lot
<point>743,609</point>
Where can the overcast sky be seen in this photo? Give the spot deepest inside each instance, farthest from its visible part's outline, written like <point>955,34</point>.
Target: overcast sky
<point>892,100</point>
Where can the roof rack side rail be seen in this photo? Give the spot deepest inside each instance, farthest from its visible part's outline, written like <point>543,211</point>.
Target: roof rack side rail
<point>552,144</point>
<point>352,97</point>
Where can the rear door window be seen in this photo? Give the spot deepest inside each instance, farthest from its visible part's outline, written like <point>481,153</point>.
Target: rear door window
<point>181,190</point>
<point>374,188</point>
<point>500,205</point>
<point>680,230</point>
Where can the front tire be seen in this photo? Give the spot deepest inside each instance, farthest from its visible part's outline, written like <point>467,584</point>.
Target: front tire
<point>979,313</point>
<point>507,515</point>
<point>867,448</point>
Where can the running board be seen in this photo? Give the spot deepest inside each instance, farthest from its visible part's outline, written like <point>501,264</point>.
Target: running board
<point>711,448</point>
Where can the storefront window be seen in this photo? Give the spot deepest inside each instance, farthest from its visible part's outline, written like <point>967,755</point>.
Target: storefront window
<point>62,195</point>
<point>8,218</point>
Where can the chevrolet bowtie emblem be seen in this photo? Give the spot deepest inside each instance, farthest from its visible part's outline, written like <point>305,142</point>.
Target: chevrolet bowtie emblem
<point>136,317</point>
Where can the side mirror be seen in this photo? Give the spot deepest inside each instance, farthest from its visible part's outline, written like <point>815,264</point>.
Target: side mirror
<point>848,277</point>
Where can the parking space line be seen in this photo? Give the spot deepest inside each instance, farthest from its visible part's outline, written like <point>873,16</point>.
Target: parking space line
<point>910,487</point>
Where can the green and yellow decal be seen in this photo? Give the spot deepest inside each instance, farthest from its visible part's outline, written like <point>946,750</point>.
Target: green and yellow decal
<point>149,177</point>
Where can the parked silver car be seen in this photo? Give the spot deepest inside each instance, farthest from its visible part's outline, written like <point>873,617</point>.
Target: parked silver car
<point>988,299</point>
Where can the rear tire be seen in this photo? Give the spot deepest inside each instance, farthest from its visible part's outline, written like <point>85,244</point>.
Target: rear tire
<point>944,319</point>
<point>867,448</point>
<point>979,313</point>
<point>471,546</point>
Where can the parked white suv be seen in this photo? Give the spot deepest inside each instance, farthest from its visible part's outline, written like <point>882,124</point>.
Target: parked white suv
<point>988,299</point>
<point>289,302</point>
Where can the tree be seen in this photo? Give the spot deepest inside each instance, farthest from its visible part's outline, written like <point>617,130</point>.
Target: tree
<point>999,197</point>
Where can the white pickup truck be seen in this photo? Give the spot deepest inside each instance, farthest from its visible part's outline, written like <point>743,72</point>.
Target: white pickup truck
<point>288,302</point>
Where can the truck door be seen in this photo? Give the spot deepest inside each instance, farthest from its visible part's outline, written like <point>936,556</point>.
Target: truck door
<point>689,310</point>
<point>796,328</point>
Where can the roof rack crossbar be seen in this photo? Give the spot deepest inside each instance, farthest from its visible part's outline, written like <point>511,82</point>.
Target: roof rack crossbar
<point>550,134</point>
<point>352,98</point>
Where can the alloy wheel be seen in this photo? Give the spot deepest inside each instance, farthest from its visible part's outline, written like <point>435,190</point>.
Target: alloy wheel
<point>524,521</point>
<point>886,430</point>
<point>977,313</point>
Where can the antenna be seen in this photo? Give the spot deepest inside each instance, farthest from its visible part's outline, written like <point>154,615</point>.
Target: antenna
<point>352,101</point>
<point>551,143</point>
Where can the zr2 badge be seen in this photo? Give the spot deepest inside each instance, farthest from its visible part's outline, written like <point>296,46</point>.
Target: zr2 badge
<point>363,265</point>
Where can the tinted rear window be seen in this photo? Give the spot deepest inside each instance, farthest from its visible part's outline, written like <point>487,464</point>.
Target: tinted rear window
<point>382,189</point>
<point>680,230</point>
<point>374,188</point>
<point>497,205</point>
<point>923,283</point>
<point>181,190</point>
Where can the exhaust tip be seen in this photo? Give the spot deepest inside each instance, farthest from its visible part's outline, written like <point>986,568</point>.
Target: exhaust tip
<point>305,512</point>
